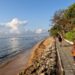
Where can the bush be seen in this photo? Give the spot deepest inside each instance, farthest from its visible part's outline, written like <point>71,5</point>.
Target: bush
<point>70,35</point>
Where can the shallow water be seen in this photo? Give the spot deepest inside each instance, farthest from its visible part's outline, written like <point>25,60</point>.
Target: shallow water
<point>11,46</point>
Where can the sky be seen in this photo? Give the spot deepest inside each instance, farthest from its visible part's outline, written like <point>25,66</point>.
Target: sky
<point>21,16</point>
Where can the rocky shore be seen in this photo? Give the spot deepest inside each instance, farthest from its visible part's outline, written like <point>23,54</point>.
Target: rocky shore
<point>42,60</point>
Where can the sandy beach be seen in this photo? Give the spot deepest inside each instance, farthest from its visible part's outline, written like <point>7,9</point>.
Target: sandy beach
<point>21,61</point>
<point>16,65</point>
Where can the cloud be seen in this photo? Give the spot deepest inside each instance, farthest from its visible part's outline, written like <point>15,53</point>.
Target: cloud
<point>14,25</point>
<point>40,30</point>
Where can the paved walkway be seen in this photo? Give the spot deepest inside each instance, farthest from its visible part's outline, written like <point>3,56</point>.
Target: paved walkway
<point>66,57</point>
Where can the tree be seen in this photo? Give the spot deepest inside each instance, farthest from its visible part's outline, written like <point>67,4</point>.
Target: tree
<point>55,29</point>
<point>64,20</point>
<point>70,16</point>
<point>59,20</point>
<point>70,12</point>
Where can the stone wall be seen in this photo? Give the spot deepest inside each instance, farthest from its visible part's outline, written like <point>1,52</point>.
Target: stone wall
<point>43,60</point>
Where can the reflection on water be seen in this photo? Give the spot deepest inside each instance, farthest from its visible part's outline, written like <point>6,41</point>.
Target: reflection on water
<point>13,44</point>
<point>9,47</point>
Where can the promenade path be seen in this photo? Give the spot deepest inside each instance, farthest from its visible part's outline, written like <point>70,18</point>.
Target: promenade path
<point>66,57</point>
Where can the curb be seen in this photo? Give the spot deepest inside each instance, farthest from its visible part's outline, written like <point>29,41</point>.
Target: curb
<point>70,42</point>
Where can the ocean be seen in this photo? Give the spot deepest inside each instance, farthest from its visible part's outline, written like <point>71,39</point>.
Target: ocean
<point>11,46</point>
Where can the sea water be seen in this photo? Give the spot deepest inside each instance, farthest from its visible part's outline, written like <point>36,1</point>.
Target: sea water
<point>11,46</point>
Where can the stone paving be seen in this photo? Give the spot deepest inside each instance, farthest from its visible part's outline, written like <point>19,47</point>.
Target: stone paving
<point>66,57</point>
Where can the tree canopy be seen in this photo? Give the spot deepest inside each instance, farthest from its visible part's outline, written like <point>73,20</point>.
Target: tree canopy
<point>63,21</point>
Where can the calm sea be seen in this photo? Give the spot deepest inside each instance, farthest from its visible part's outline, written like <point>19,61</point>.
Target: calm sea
<point>11,46</point>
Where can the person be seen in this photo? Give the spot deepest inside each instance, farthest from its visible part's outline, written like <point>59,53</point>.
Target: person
<point>73,52</point>
<point>59,39</point>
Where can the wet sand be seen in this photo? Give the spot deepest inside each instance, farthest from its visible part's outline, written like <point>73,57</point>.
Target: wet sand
<point>16,65</point>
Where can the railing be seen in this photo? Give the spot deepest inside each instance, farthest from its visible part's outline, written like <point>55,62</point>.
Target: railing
<point>59,69</point>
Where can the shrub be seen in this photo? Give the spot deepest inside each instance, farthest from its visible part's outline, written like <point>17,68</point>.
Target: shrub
<point>70,35</point>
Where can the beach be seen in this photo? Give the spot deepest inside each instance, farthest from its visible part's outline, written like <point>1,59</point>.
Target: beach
<point>42,59</point>
<point>15,65</point>
<point>21,61</point>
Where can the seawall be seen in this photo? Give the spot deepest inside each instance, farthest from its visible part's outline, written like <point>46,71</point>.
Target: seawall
<point>42,60</point>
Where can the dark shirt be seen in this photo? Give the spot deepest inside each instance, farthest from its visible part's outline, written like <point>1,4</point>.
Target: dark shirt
<point>59,38</point>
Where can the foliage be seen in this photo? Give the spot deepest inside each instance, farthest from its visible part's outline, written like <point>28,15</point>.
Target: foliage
<point>55,29</point>
<point>70,35</point>
<point>70,12</point>
<point>70,16</point>
<point>64,22</point>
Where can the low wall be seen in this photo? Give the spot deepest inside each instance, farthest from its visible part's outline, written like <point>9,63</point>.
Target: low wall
<point>43,60</point>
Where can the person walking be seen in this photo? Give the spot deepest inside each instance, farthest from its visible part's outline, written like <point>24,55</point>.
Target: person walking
<point>59,39</point>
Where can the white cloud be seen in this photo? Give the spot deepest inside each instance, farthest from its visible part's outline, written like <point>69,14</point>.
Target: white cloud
<point>38,31</point>
<point>14,25</point>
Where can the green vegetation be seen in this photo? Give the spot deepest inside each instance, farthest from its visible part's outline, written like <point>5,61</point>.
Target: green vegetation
<point>64,22</point>
<point>54,30</point>
<point>70,35</point>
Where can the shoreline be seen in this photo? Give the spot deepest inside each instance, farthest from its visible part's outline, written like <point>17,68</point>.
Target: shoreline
<point>38,55</point>
<point>21,61</point>
<point>15,65</point>
<point>10,59</point>
<point>38,49</point>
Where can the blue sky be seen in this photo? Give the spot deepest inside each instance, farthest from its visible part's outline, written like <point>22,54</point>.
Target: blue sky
<point>29,14</point>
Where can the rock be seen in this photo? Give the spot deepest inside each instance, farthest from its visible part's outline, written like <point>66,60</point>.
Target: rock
<point>42,74</point>
<point>44,64</point>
